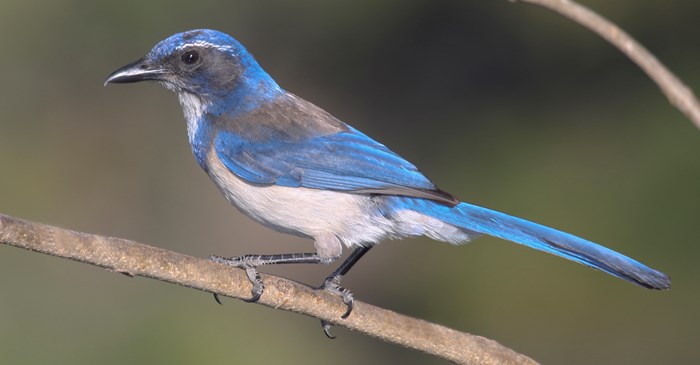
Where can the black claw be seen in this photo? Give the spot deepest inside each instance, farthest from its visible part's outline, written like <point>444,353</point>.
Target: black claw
<point>252,299</point>
<point>251,272</point>
<point>351,305</point>
<point>332,284</point>
<point>218,300</point>
<point>348,299</point>
<point>326,329</point>
<point>256,296</point>
<point>258,286</point>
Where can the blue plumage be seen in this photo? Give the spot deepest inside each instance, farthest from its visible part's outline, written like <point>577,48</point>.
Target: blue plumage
<point>345,161</point>
<point>497,224</point>
<point>293,167</point>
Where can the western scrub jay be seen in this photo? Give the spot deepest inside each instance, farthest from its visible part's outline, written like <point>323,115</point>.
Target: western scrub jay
<point>295,168</point>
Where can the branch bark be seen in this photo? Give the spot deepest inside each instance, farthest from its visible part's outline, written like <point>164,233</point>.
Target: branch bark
<point>680,95</point>
<point>136,259</point>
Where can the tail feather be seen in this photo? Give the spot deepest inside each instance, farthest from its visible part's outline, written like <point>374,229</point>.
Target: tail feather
<point>493,223</point>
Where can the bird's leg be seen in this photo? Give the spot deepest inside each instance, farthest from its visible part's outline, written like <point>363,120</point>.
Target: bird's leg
<point>332,284</point>
<point>250,262</point>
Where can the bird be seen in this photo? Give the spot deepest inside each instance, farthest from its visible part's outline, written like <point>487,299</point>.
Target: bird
<point>293,167</point>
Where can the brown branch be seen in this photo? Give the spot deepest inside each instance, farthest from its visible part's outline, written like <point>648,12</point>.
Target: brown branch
<point>676,91</point>
<point>136,259</point>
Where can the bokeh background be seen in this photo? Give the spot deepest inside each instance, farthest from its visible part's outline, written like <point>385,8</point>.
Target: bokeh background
<point>505,105</point>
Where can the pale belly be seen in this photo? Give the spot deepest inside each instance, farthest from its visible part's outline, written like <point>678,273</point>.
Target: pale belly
<point>305,212</point>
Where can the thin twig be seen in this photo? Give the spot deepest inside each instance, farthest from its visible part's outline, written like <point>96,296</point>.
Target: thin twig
<point>136,259</point>
<point>680,95</point>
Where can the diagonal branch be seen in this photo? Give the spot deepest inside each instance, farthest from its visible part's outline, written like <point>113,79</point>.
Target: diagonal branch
<point>136,259</point>
<point>680,95</point>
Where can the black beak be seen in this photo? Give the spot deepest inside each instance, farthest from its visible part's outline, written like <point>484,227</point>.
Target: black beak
<point>136,71</point>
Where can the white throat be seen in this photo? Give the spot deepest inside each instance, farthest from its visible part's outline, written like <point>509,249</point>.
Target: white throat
<point>194,108</point>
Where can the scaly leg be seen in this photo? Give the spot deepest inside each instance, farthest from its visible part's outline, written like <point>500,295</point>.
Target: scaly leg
<point>250,262</point>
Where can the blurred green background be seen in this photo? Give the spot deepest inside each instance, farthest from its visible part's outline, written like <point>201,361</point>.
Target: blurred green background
<point>505,105</point>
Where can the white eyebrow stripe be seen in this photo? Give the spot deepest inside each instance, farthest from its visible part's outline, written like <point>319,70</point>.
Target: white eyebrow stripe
<point>225,48</point>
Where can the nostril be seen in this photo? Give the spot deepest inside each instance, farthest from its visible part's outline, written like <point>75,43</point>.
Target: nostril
<point>143,66</point>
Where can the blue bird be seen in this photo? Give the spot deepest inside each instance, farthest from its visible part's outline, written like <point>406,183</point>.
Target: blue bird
<point>295,168</point>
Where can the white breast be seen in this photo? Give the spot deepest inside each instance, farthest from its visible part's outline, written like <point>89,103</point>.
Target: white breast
<point>306,212</point>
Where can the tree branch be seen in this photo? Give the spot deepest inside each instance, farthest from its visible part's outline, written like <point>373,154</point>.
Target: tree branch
<point>676,91</point>
<point>136,259</point>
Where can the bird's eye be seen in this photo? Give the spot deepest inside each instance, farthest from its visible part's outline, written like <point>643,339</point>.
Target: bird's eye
<point>190,57</point>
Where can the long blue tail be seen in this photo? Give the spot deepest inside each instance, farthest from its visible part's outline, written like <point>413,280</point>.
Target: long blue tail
<point>493,223</point>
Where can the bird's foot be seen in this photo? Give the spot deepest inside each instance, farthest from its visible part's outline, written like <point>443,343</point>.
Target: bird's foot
<point>332,284</point>
<point>249,264</point>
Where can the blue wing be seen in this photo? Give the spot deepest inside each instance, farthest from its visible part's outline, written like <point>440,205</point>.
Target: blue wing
<point>347,161</point>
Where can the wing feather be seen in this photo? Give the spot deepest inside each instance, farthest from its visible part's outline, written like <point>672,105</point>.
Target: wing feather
<point>346,161</point>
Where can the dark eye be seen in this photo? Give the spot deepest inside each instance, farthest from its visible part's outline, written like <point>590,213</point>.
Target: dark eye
<point>190,57</point>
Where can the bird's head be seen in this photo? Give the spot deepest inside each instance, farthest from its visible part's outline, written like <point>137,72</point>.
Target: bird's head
<point>207,66</point>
